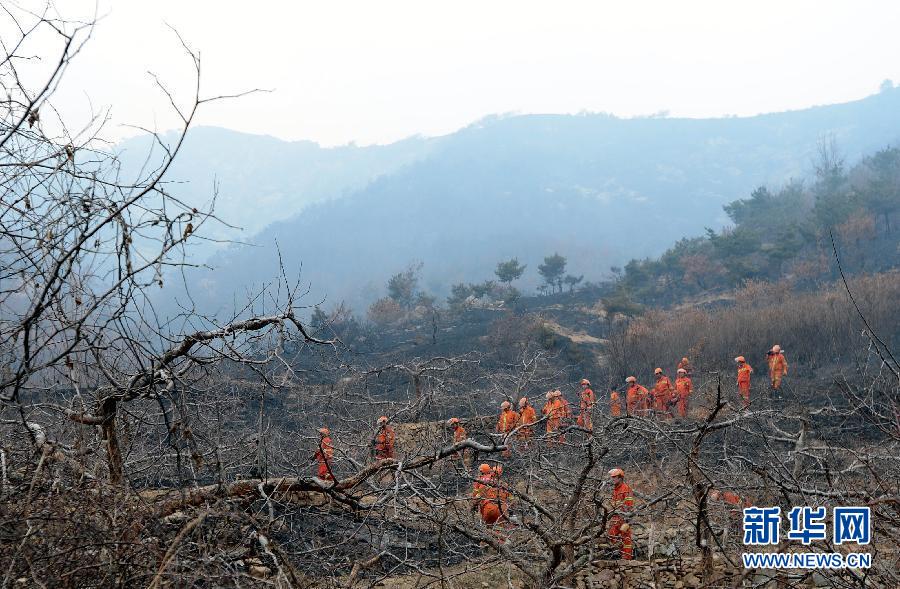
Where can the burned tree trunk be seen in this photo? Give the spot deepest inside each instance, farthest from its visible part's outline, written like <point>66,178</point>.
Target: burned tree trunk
<point>113,451</point>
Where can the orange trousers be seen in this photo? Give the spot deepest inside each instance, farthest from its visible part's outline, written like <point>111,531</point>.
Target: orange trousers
<point>323,472</point>
<point>618,537</point>
<point>745,393</point>
<point>490,512</point>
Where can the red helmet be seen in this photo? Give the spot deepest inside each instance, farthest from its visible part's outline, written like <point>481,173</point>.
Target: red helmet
<point>324,431</point>
<point>657,371</point>
<point>739,359</point>
<point>453,421</point>
<point>484,468</point>
<point>682,371</point>
<point>631,379</point>
<point>382,420</point>
<point>585,381</point>
<point>505,405</point>
<point>617,472</point>
<point>523,401</point>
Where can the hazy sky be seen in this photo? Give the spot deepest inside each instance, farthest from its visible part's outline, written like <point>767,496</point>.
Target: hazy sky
<point>377,71</point>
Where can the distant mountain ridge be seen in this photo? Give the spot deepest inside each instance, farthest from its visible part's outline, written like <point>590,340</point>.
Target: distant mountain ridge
<point>261,179</point>
<point>597,189</point>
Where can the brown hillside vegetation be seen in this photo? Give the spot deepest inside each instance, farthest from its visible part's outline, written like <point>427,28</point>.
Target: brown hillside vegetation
<point>817,328</point>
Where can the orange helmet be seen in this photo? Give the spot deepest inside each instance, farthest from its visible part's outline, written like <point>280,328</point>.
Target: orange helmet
<point>685,360</point>
<point>585,381</point>
<point>617,472</point>
<point>484,468</point>
<point>657,371</point>
<point>739,359</point>
<point>382,420</point>
<point>453,421</point>
<point>776,348</point>
<point>505,405</point>
<point>614,395</point>
<point>682,371</point>
<point>631,379</point>
<point>324,431</point>
<point>523,401</point>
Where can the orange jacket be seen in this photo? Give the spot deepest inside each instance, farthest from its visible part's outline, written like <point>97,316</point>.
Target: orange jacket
<point>556,409</point>
<point>325,451</point>
<point>622,498</point>
<point>636,398</point>
<point>459,434</point>
<point>548,408</point>
<point>587,400</point>
<point>662,393</point>
<point>778,366</point>
<point>615,406</point>
<point>527,415</point>
<point>495,493</point>
<point>508,421</point>
<point>683,387</point>
<point>384,442</point>
<point>743,374</point>
<point>686,366</point>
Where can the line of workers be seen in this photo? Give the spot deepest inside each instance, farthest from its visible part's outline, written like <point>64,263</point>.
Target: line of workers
<point>491,499</point>
<point>665,399</point>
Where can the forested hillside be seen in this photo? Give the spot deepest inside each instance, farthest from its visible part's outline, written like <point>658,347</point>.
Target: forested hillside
<point>786,232</point>
<point>597,189</point>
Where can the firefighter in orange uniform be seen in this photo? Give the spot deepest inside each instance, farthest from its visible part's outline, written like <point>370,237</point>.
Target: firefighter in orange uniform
<point>636,397</point>
<point>615,404</point>
<point>527,416</point>
<point>686,365</point>
<point>662,394</point>
<point>384,439</point>
<point>324,455</point>
<point>744,371</point>
<point>778,367</point>
<point>622,504</point>
<point>683,389</point>
<point>485,474</point>
<point>548,405</point>
<point>507,422</point>
<point>459,434</point>
<point>588,400</point>
<point>491,498</point>
<point>551,411</point>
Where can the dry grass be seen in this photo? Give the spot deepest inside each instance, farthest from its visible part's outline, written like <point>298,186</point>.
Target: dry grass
<point>815,328</point>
